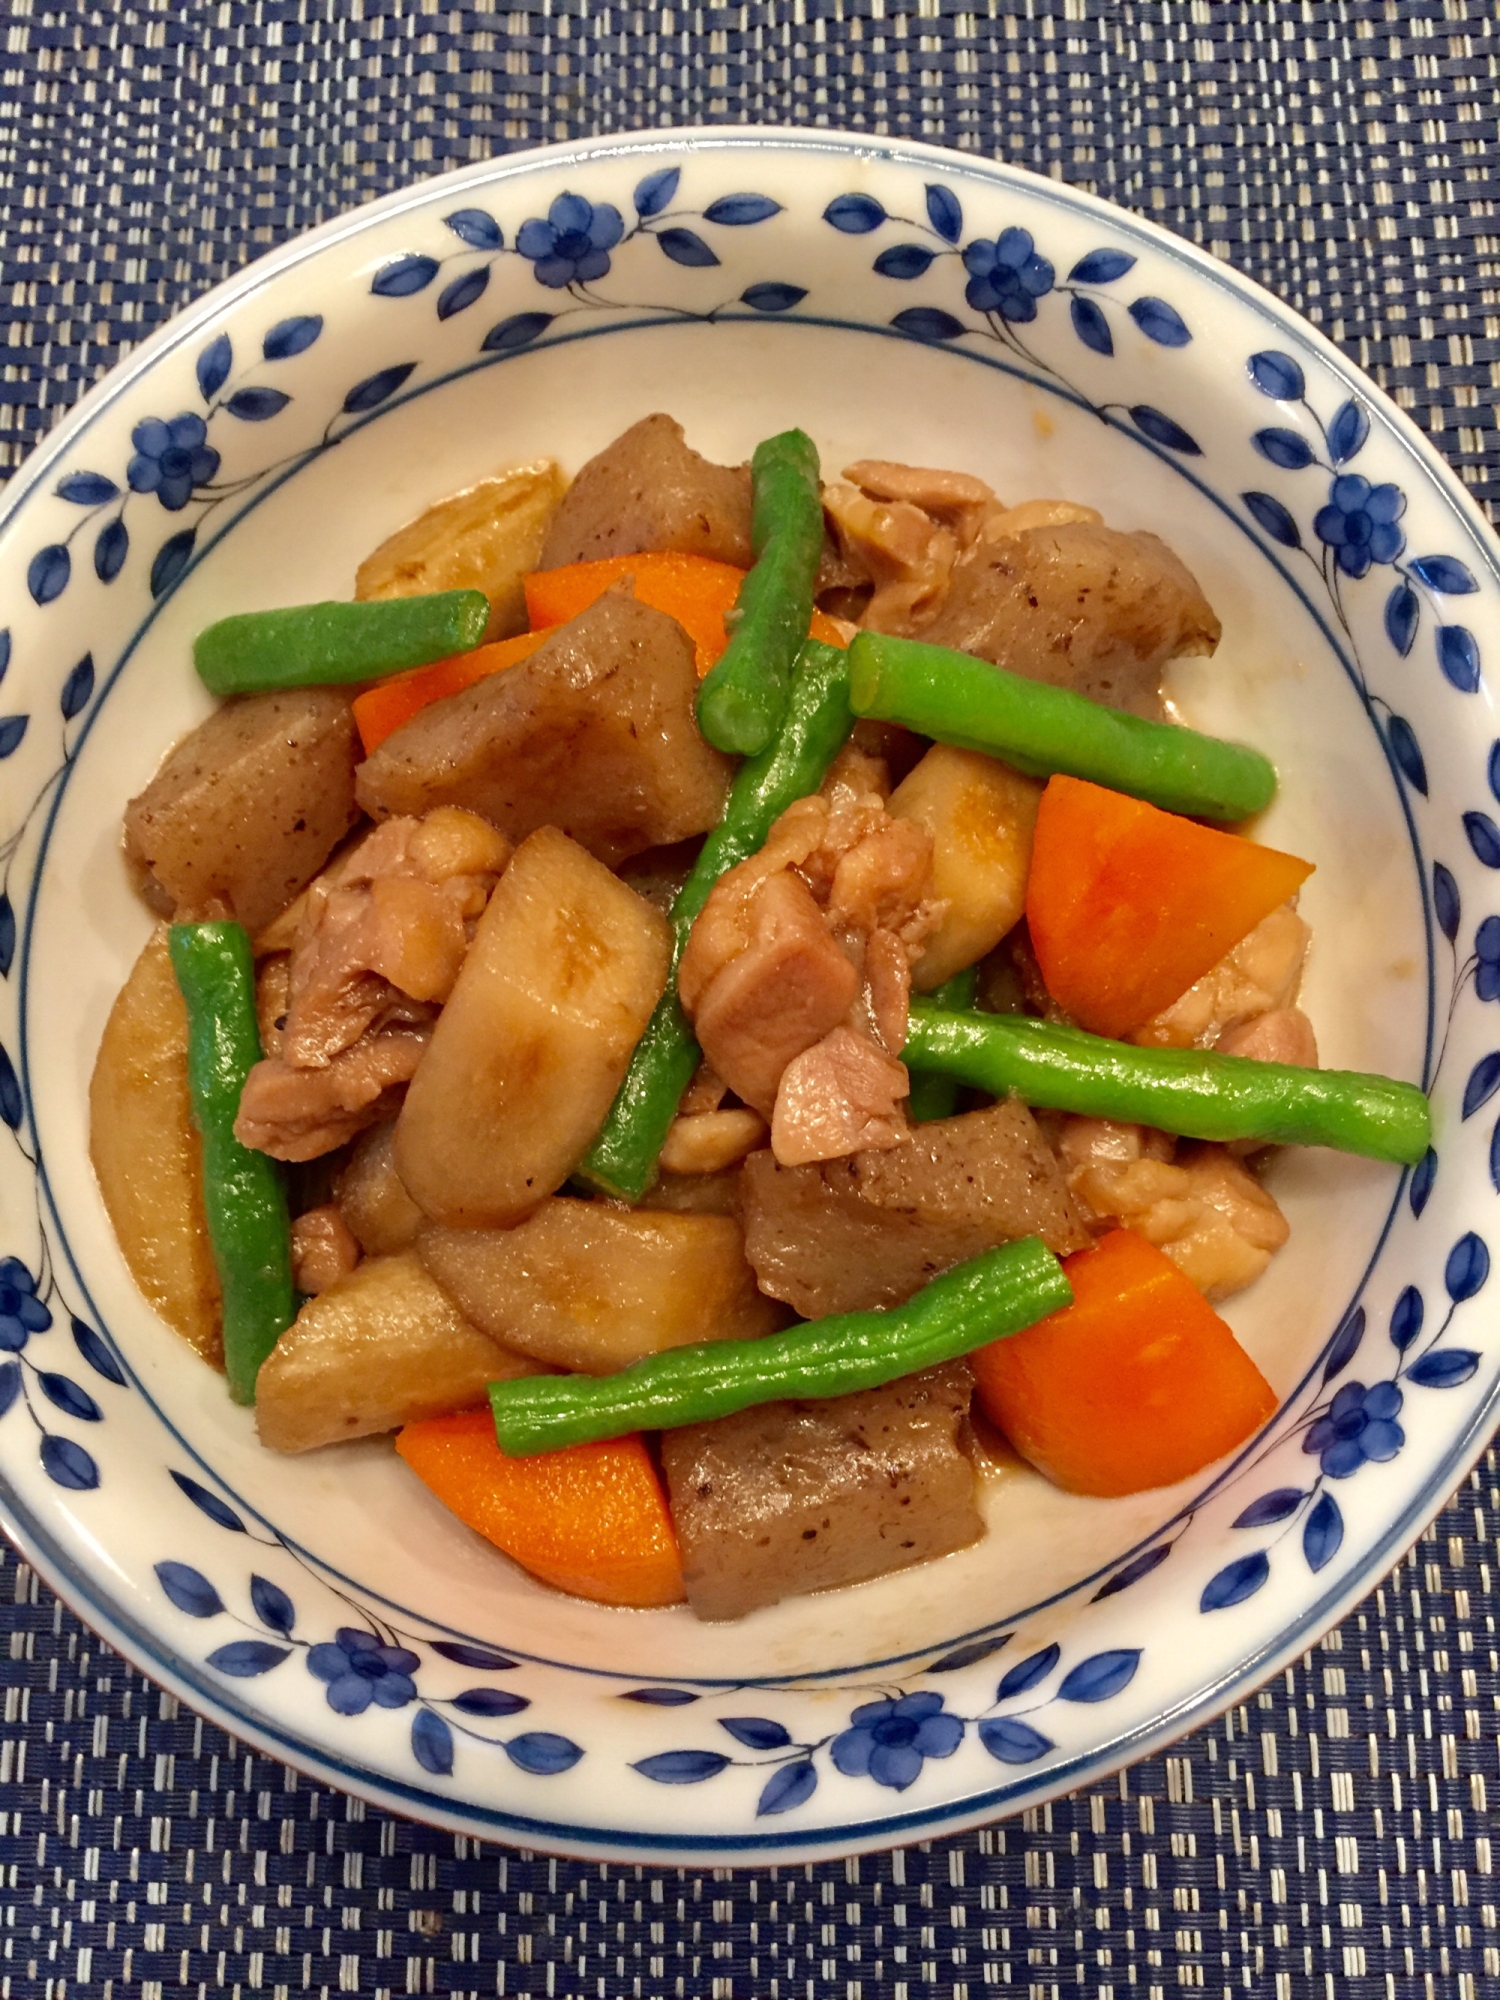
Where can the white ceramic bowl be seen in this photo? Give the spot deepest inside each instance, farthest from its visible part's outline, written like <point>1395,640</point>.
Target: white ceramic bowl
<point>895,301</point>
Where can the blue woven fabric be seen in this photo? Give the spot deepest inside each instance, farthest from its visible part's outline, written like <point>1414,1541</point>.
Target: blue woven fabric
<point>1332,1835</point>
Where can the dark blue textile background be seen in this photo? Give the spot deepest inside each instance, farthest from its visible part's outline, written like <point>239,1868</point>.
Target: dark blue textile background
<point>1331,1837</point>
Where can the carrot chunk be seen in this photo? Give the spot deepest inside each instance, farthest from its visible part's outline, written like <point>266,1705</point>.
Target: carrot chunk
<point>591,1520</point>
<point>1128,905</point>
<point>1138,1383</point>
<point>382,709</point>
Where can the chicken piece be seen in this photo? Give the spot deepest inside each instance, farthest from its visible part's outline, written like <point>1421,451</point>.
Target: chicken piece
<point>1211,1217</point>
<point>594,733</point>
<point>650,490</point>
<point>298,1114</point>
<point>1284,1035</point>
<point>1260,976</point>
<point>792,1497</point>
<point>802,954</point>
<point>1002,522</point>
<point>249,806</point>
<point>872,1229</point>
<point>391,918</point>
<point>323,1249</point>
<point>1079,606</point>
<point>273,995</point>
<point>842,1096</point>
<point>907,555</point>
<point>955,499</point>
<point>706,1142</point>
<point>756,1008</point>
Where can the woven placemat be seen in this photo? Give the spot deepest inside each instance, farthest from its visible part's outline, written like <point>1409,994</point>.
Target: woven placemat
<point>1329,1837</point>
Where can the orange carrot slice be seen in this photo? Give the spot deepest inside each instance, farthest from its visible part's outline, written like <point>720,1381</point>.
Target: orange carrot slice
<point>1138,1383</point>
<point>382,709</point>
<point>1128,905</point>
<point>591,1520</point>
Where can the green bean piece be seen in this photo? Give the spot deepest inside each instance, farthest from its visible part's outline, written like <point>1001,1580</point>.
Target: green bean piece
<point>323,645</point>
<point>1039,729</point>
<point>744,693</point>
<point>1194,1092</point>
<point>990,1296</point>
<point>622,1160</point>
<point>243,1192</point>
<point>933,1096</point>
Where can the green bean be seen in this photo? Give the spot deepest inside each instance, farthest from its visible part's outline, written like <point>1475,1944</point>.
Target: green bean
<point>1040,729</point>
<point>622,1160</point>
<point>933,1096</point>
<point>243,1194</point>
<point>977,1302</point>
<point>1194,1092</point>
<point>744,694</point>
<point>319,645</point>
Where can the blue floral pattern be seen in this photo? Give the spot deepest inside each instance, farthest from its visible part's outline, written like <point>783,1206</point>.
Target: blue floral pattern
<point>889,1739</point>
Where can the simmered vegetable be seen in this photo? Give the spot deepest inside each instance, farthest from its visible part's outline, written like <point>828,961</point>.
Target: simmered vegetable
<point>147,1154</point>
<point>591,1288</point>
<point>526,1057</point>
<point>982,1300</point>
<point>695,590</point>
<point>372,1199</point>
<point>1138,1383</point>
<point>243,1195</point>
<point>248,807</point>
<point>383,709</point>
<point>1079,605</point>
<point>650,490</point>
<point>1040,729</point>
<point>485,538</point>
<point>980,814</point>
<point>744,696</point>
<point>1127,906</point>
<point>934,1096</point>
<point>1196,1093</point>
<point>847,1235</point>
<point>382,1347</point>
<point>792,1497</point>
<point>334,644</point>
<point>622,1159</point>
<point>592,1520</point>
<point>592,734</point>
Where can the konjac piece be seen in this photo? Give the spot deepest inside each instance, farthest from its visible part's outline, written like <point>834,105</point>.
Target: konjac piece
<point>791,1497</point>
<point>593,733</point>
<point>559,983</point>
<point>871,1230</point>
<point>1079,606</point>
<point>381,1348</point>
<point>146,1151</point>
<point>650,490</point>
<point>592,1288</point>
<point>248,807</point>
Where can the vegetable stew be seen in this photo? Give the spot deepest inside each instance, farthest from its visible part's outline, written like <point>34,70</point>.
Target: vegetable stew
<point>682,1066</point>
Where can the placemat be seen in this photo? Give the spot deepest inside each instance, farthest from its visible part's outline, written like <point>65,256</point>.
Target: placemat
<point>1332,1835</point>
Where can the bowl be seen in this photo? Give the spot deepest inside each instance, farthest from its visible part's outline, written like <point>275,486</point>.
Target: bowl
<point>896,301</point>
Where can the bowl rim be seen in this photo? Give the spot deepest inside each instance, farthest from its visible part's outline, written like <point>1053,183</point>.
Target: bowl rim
<point>135,1639</point>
